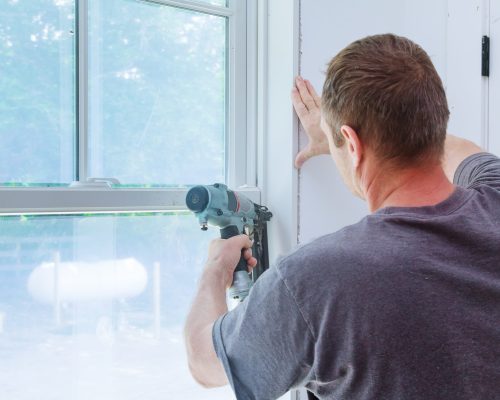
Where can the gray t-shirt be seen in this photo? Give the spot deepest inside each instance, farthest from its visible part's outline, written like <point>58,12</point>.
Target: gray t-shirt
<point>404,304</point>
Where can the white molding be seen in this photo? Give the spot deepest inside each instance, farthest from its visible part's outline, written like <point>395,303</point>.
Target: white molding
<point>280,137</point>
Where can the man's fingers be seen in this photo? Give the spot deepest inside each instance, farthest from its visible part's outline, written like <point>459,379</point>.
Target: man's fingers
<point>307,99</point>
<point>316,98</point>
<point>298,104</point>
<point>252,262</point>
<point>242,241</point>
<point>247,254</point>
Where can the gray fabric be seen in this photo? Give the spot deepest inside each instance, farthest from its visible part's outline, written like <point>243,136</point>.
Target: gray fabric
<point>404,304</point>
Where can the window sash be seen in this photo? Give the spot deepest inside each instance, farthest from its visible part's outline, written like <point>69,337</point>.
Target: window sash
<point>241,139</point>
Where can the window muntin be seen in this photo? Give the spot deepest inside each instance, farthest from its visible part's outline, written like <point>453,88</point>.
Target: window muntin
<point>157,93</point>
<point>37,86</point>
<point>124,284</point>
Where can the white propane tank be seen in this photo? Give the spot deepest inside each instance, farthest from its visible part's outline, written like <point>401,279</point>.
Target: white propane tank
<point>80,281</point>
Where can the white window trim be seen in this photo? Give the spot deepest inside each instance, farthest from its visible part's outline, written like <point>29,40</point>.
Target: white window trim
<point>278,55</point>
<point>278,124</point>
<point>241,138</point>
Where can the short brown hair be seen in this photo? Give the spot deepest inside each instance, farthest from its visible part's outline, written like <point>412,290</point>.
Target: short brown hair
<point>386,88</point>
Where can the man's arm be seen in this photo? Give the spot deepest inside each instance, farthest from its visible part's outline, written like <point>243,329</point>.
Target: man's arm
<point>455,151</point>
<point>210,304</point>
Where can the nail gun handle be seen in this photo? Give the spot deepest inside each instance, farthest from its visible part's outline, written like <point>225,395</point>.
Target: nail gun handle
<point>228,232</point>
<point>241,280</point>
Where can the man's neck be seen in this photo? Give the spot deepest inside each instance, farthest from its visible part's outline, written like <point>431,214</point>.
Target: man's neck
<point>415,187</point>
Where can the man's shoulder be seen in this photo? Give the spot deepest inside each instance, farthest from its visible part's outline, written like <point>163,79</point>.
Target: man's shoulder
<point>338,252</point>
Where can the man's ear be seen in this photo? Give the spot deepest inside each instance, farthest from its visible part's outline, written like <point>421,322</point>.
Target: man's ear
<point>354,145</point>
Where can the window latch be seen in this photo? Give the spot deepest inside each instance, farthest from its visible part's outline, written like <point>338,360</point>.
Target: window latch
<point>95,183</point>
<point>485,56</point>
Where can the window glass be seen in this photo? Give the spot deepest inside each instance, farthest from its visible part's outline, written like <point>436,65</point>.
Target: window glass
<point>92,307</point>
<point>157,93</point>
<point>37,91</point>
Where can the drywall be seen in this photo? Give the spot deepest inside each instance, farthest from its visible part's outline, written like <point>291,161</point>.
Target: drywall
<point>450,31</point>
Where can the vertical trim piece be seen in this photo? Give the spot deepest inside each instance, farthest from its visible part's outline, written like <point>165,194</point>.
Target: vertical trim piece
<point>82,90</point>
<point>281,128</point>
<point>297,128</point>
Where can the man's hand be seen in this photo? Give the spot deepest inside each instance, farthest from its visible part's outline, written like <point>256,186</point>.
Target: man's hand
<point>209,304</point>
<point>307,105</point>
<point>224,254</point>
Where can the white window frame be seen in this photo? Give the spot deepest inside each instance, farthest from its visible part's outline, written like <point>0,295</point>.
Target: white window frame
<point>241,136</point>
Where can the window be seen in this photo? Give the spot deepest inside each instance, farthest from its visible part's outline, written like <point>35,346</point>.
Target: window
<point>109,111</point>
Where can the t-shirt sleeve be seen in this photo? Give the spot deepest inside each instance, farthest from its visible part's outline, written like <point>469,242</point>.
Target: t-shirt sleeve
<point>265,344</point>
<point>479,169</point>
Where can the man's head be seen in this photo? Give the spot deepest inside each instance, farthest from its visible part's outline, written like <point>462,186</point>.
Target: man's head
<point>383,94</point>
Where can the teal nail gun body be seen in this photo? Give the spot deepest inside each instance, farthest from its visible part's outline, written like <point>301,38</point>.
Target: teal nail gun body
<point>234,214</point>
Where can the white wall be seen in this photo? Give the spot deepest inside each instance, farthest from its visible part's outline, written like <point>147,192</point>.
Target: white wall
<point>450,31</point>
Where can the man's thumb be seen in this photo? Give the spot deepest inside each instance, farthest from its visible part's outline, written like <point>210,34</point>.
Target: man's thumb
<point>302,157</point>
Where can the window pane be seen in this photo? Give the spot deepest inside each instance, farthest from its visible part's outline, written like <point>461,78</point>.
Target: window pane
<point>105,323</point>
<point>37,101</point>
<point>157,93</point>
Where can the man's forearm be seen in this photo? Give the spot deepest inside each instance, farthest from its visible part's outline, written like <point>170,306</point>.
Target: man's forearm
<point>455,151</point>
<point>209,304</point>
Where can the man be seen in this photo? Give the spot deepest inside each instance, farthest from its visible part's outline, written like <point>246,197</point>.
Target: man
<point>404,304</point>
